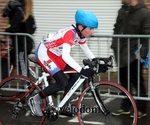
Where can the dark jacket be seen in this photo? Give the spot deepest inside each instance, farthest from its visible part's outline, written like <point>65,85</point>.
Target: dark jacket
<point>16,16</point>
<point>131,20</point>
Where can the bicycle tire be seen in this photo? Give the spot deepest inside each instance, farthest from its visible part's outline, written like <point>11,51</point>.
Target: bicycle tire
<point>10,112</point>
<point>1,123</point>
<point>111,94</point>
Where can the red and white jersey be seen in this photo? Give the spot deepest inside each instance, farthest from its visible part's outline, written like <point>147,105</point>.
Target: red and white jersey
<point>54,42</point>
<point>61,44</point>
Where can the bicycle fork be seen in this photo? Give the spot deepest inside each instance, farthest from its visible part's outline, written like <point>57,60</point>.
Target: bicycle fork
<point>98,100</point>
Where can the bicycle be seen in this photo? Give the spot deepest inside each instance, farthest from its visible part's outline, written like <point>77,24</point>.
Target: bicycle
<point>94,105</point>
<point>1,123</point>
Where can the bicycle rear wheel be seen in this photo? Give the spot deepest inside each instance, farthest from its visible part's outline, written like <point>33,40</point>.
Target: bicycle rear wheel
<point>1,123</point>
<point>112,94</point>
<point>14,94</point>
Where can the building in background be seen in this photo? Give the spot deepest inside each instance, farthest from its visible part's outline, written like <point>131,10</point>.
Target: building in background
<point>52,15</point>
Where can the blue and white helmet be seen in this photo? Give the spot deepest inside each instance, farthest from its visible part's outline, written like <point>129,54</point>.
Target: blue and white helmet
<point>86,18</point>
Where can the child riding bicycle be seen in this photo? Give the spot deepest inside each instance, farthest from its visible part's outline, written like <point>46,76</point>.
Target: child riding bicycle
<point>53,54</point>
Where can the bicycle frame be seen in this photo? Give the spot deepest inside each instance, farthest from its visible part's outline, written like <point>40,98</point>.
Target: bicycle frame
<point>76,85</point>
<point>44,78</point>
<point>71,91</point>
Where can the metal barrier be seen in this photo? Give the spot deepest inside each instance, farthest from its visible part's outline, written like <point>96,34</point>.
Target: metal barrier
<point>6,47</point>
<point>100,45</point>
<point>113,75</point>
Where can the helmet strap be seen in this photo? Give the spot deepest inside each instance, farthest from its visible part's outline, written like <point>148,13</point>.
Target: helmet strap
<point>84,27</point>
<point>78,31</point>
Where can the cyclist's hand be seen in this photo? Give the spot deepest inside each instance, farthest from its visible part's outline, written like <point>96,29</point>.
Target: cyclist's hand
<point>102,68</point>
<point>87,72</point>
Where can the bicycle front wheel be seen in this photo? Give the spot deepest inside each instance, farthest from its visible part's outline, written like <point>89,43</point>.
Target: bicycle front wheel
<point>14,93</point>
<point>112,96</point>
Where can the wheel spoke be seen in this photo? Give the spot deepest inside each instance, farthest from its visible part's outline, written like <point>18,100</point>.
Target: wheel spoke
<point>112,96</point>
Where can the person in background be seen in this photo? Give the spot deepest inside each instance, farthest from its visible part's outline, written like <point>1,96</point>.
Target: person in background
<point>53,54</point>
<point>133,18</point>
<point>19,13</point>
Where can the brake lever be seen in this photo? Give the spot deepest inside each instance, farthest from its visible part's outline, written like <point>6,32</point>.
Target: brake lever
<point>108,61</point>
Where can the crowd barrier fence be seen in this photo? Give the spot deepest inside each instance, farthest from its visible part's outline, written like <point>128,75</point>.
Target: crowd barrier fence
<point>97,43</point>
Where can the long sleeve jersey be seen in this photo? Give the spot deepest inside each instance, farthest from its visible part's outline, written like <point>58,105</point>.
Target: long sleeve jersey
<point>60,43</point>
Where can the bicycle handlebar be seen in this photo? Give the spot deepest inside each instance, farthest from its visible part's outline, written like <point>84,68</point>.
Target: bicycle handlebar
<point>99,64</point>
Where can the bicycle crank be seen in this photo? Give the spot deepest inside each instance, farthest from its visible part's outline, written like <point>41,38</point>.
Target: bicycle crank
<point>51,113</point>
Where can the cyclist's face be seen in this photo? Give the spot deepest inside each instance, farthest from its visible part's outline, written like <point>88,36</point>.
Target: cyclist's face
<point>87,32</point>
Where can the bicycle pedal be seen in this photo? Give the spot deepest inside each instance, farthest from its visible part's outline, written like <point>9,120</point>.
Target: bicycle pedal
<point>28,112</point>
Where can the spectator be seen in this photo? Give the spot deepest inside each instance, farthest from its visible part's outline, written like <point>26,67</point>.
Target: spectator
<point>19,13</point>
<point>133,18</point>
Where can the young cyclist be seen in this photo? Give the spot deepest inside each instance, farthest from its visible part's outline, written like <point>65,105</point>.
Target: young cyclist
<point>53,54</point>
